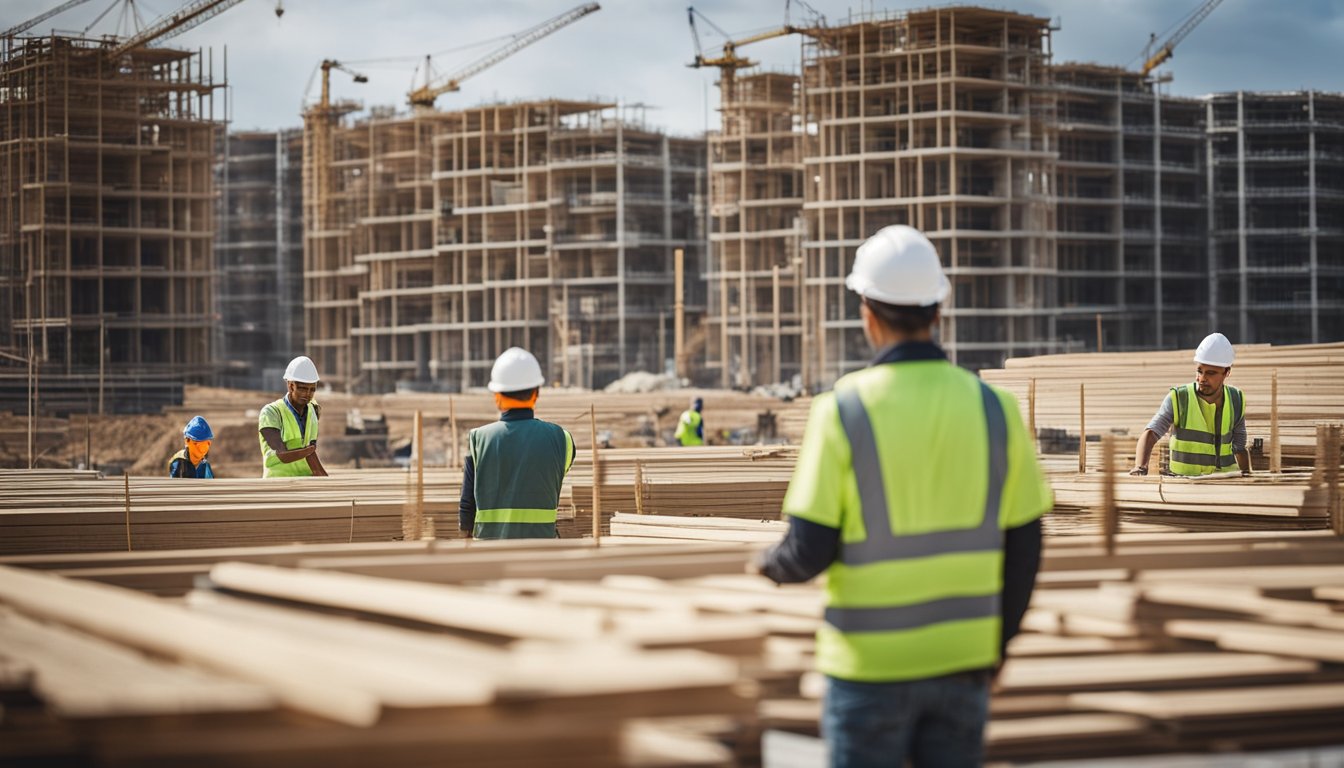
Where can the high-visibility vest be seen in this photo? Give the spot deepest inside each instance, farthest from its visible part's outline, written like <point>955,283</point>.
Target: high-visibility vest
<point>519,466</point>
<point>1197,447</point>
<point>201,471</point>
<point>292,438</point>
<point>688,428</point>
<point>918,605</point>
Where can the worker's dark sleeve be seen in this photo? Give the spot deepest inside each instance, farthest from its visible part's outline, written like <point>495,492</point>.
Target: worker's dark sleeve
<point>466,508</point>
<point>1021,560</point>
<point>175,469</point>
<point>700,429</point>
<point>808,549</point>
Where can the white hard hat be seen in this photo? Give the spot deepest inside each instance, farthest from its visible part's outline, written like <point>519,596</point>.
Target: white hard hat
<point>515,371</point>
<point>1215,349</point>
<point>302,370</point>
<point>899,265</point>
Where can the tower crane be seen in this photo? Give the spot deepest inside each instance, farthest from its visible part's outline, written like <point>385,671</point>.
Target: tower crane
<point>727,60</point>
<point>187,17</point>
<point>22,27</point>
<point>426,94</point>
<point>1167,48</point>
<point>319,121</point>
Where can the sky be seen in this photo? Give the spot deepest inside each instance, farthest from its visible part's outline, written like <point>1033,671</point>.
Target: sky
<point>635,51</point>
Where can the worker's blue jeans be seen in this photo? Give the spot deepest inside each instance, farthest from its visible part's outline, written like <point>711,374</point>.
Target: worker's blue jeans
<point>938,722</point>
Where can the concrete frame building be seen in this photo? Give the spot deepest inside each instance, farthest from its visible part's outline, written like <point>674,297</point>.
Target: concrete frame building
<point>1276,207</point>
<point>259,252</point>
<point>450,236</point>
<point>107,215</point>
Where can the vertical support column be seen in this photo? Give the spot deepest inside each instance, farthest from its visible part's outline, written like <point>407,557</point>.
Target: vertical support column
<point>620,242</point>
<point>1313,237</point>
<point>1242,287</point>
<point>1159,300</point>
<point>679,316</point>
<point>774,305</point>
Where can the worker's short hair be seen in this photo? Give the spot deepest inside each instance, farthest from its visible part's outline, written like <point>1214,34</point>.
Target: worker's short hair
<point>522,394</point>
<point>906,319</point>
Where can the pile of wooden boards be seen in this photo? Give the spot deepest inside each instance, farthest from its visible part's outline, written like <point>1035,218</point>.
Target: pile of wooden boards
<point>1174,643</point>
<point>1124,389</point>
<point>73,511</point>
<point>353,670</point>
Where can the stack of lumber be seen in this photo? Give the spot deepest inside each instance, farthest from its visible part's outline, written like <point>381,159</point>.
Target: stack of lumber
<point>355,670</point>
<point>1175,643</point>
<point>720,481</point>
<point>1310,389</point>
<point>1215,502</point>
<point>43,512</point>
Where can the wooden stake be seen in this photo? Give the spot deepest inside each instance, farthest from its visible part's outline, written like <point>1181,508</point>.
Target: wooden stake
<point>597,473</point>
<point>1275,447</point>
<point>679,321</point>
<point>1082,429</point>
<point>352,521</point>
<point>1098,331</point>
<point>127,476</point>
<point>1031,412</point>
<point>639,487</point>
<point>452,424</point>
<point>778,372</point>
<point>418,528</point>
<point>1334,502</point>
<point>1110,519</point>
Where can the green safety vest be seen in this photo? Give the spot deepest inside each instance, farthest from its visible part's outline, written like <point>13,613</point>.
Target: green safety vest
<point>1199,448</point>
<point>688,427</point>
<point>917,594</point>
<point>519,467</point>
<point>289,433</point>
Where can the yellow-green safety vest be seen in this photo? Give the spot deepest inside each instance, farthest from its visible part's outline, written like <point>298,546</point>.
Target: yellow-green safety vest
<point>688,427</point>
<point>289,433</point>
<point>1197,447</point>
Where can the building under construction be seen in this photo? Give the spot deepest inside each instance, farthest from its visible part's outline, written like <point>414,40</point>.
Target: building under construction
<point>106,219</point>
<point>1132,264</point>
<point>1276,206</point>
<point>259,253</point>
<point>439,239</point>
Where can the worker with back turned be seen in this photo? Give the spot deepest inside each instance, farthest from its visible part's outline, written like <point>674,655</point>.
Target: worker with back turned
<point>691,425</point>
<point>515,466</point>
<point>918,493</point>
<point>287,428</point>
<point>1208,418</point>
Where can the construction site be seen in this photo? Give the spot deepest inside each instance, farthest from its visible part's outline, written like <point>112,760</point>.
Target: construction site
<point>160,265</point>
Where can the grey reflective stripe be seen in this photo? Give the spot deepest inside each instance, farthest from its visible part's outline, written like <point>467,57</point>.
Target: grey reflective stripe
<point>1198,459</point>
<point>1183,411</point>
<point>901,617</point>
<point>1195,436</point>
<point>880,543</point>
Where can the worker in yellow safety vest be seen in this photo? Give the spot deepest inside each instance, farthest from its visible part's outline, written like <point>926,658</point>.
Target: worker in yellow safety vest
<point>515,466</point>
<point>691,425</point>
<point>287,428</point>
<point>917,491</point>
<point>1208,419</point>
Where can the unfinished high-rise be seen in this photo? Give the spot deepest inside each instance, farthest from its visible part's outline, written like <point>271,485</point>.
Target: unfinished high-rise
<point>259,253</point>
<point>106,215</point>
<point>439,239</point>
<point>1276,206</point>
<point>754,273</point>
<point>941,119</point>
<point>1132,263</point>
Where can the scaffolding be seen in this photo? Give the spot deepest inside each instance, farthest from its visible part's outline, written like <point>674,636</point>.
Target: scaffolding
<point>451,236</point>
<point>941,119</point>
<point>1276,207</point>
<point>106,209</point>
<point>259,252</point>
<point>754,275</point>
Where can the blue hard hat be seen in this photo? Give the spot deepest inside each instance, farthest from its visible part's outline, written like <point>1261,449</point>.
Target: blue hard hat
<point>198,429</point>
